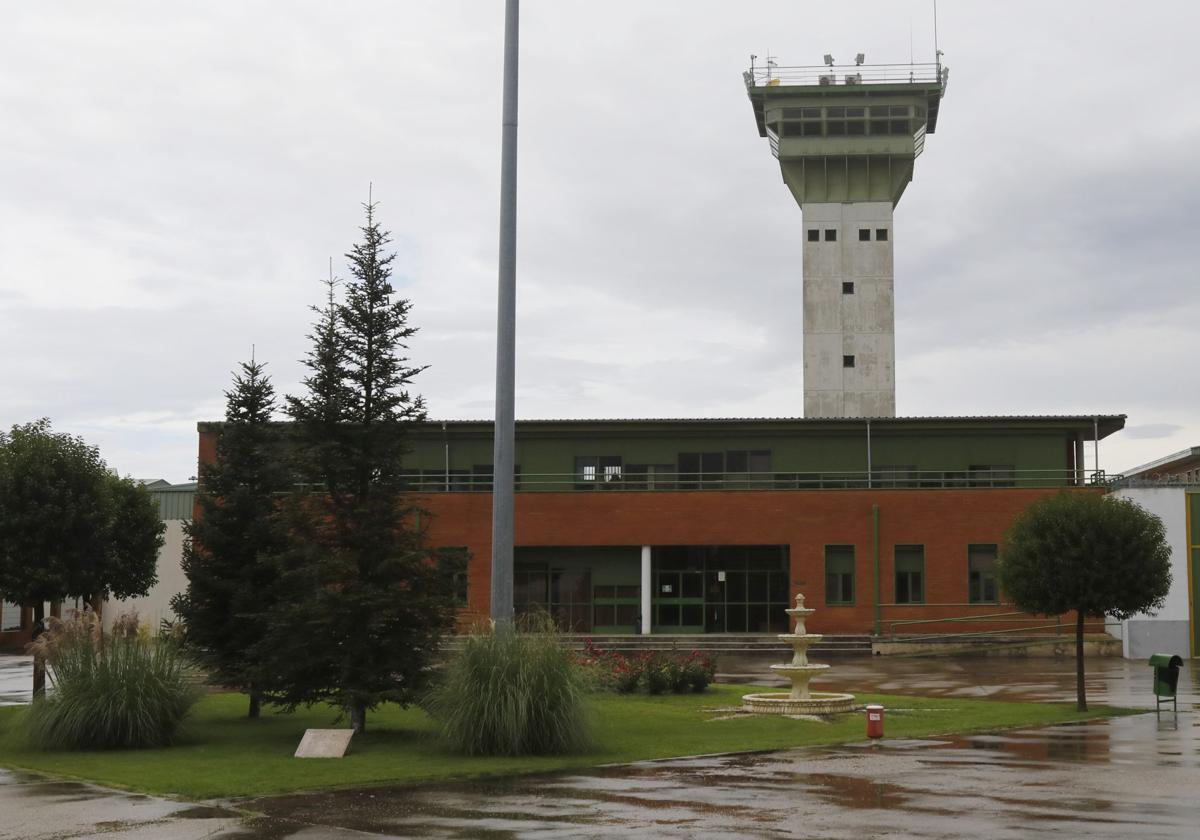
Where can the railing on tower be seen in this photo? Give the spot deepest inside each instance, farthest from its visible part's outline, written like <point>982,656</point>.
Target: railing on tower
<point>772,75</point>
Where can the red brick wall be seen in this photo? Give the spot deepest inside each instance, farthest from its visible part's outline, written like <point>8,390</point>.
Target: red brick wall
<point>944,521</point>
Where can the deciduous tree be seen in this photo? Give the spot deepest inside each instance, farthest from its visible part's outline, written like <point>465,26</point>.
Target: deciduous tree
<point>1092,554</point>
<point>68,527</point>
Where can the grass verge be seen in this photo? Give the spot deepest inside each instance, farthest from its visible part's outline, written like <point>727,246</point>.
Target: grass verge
<point>222,754</point>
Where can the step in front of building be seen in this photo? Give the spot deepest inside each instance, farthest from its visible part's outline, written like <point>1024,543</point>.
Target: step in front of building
<point>747,644</point>
<point>740,643</point>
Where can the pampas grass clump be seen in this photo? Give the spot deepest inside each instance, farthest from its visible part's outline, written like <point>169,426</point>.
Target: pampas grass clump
<point>512,692</point>
<point>117,690</point>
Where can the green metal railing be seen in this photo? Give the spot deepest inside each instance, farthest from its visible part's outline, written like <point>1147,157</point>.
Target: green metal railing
<point>623,479</point>
<point>771,74</point>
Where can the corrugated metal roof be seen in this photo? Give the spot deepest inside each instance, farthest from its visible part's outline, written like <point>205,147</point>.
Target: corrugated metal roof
<point>1166,463</point>
<point>175,501</point>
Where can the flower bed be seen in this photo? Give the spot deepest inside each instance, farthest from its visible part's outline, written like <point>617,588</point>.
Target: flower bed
<point>652,672</point>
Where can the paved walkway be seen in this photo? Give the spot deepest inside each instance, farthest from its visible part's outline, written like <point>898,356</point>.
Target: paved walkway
<point>16,679</point>
<point>1133,777</point>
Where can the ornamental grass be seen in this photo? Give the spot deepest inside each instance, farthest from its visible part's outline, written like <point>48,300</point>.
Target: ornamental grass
<point>123,689</point>
<point>512,691</point>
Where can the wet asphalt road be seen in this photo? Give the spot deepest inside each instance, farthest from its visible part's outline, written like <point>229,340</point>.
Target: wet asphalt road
<point>1133,777</point>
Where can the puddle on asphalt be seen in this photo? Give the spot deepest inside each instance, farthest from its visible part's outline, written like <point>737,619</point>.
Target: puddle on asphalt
<point>204,812</point>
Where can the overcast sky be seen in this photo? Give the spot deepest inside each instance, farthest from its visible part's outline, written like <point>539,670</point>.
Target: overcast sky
<point>175,177</point>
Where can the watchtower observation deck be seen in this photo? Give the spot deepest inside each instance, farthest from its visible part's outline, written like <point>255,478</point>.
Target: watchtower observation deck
<point>848,133</point>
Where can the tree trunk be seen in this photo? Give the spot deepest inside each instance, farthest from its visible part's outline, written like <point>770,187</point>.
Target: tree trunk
<point>255,703</point>
<point>1080,691</point>
<point>358,716</point>
<point>95,603</point>
<point>39,664</point>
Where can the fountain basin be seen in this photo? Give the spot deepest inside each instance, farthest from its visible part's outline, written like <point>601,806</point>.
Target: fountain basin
<point>792,638</point>
<point>782,703</point>
<point>812,668</point>
<point>798,701</point>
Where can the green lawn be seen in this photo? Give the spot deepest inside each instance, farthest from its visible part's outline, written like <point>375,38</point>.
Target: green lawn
<point>222,754</point>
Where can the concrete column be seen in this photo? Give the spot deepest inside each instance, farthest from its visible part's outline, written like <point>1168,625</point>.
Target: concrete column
<point>849,310</point>
<point>647,592</point>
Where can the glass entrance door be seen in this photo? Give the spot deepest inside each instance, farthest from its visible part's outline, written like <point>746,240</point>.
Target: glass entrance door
<point>721,589</point>
<point>679,601</point>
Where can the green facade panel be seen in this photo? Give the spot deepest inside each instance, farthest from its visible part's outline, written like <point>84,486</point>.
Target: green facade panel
<point>1015,452</point>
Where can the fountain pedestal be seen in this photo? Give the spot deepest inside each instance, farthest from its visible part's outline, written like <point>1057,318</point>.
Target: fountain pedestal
<point>800,700</point>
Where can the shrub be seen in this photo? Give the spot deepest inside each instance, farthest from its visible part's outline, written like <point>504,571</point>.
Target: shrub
<point>697,671</point>
<point>512,692</point>
<point>660,674</point>
<point>126,689</point>
<point>628,672</point>
<point>654,673</point>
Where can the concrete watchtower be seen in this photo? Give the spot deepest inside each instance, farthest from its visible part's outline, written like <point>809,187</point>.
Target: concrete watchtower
<point>846,139</point>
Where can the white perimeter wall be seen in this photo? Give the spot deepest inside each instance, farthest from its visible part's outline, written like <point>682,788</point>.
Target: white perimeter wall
<point>156,605</point>
<point>1168,630</point>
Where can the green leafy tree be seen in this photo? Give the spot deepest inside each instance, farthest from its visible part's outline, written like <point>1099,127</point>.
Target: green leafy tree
<point>68,527</point>
<point>1093,554</point>
<point>366,600</point>
<point>230,556</point>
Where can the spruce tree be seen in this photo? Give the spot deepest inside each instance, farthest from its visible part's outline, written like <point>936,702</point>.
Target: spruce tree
<point>236,539</point>
<point>367,601</point>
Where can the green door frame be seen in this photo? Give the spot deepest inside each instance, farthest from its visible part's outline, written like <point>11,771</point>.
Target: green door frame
<point>676,599</point>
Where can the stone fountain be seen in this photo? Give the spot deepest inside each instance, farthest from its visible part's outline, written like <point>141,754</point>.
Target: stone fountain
<point>799,701</point>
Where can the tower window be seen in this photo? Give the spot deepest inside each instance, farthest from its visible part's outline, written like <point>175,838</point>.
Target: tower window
<point>830,235</point>
<point>881,234</point>
<point>814,235</point>
<point>847,361</point>
<point>847,287</point>
<point>864,234</point>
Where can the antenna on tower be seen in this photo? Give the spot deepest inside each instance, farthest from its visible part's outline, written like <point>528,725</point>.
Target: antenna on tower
<point>936,52</point>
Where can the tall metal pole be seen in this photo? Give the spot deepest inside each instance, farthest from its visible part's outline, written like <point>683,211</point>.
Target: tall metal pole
<point>506,320</point>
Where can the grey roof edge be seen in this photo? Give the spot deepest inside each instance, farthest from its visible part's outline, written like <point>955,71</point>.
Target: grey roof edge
<point>203,424</point>
<point>1181,455</point>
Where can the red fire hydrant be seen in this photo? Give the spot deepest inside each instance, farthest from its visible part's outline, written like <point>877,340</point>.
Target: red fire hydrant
<point>874,721</point>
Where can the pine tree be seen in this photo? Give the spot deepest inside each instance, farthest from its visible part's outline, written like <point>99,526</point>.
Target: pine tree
<point>321,415</point>
<point>367,603</point>
<point>236,539</point>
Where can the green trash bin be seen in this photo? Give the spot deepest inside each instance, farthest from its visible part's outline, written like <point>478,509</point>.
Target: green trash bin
<point>1166,679</point>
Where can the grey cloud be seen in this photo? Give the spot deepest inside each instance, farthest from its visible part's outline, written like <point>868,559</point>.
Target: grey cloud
<point>175,181</point>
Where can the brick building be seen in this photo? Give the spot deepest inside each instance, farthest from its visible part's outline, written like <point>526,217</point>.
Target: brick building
<point>711,526</point>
